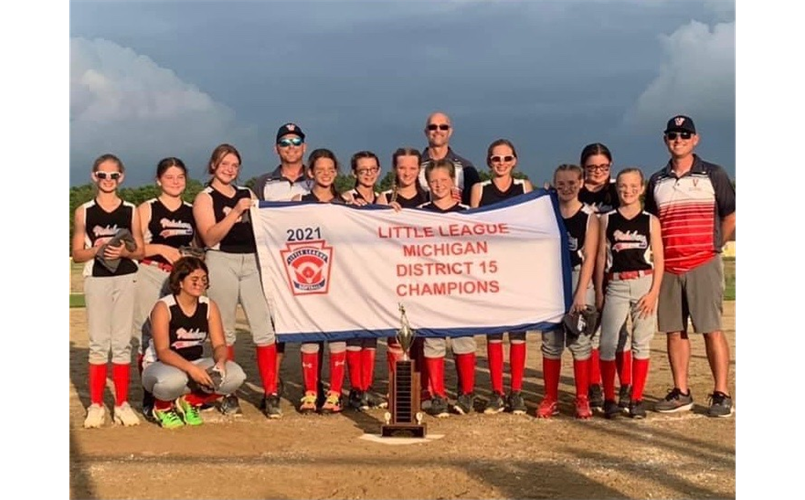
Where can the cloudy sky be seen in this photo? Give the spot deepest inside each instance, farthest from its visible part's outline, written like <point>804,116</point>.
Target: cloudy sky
<point>154,79</point>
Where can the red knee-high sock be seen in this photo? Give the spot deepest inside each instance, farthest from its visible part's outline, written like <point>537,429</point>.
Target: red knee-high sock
<point>355,368</point>
<point>367,367</point>
<point>639,376</point>
<point>623,361</point>
<point>595,368</point>
<point>436,374</point>
<point>230,352</point>
<point>310,370</point>
<point>465,365</point>
<point>517,365</point>
<point>198,398</point>
<point>97,382</point>
<point>120,376</point>
<point>494,355</point>
<point>581,370</point>
<point>551,368</point>
<point>338,362</point>
<point>267,366</point>
<point>608,369</point>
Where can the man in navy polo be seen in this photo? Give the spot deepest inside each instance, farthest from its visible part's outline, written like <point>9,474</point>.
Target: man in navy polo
<point>695,202</point>
<point>438,130</point>
<point>282,184</point>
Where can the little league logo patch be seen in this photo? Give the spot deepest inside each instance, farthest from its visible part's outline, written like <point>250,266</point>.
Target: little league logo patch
<point>307,266</point>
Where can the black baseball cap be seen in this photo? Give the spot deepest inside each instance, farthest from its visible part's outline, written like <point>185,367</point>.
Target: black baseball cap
<point>680,123</point>
<point>290,129</point>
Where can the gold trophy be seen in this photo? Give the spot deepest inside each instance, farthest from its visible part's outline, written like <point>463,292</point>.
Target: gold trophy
<point>404,418</point>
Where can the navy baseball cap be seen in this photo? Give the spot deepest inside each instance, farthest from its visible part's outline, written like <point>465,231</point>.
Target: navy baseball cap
<point>680,123</point>
<point>290,129</point>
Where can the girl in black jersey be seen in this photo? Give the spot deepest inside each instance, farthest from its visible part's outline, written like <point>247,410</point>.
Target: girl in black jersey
<point>600,193</point>
<point>582,234</point>
<point>630,265</point>
<point>175,370</point>
<point>167,225</point>
<point>109,285</point>
<point>361,353</point>
<point>222,217</point>
<point>406,192</point>
<point>501,158</point>
<point>366,169</point>
<point>323,169</point>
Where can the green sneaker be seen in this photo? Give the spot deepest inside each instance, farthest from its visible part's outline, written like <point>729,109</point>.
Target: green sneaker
<point>189,413</point>
<point>167,419</point>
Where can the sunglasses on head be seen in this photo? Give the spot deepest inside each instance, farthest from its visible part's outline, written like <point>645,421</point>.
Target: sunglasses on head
<point>499,159</point>
<point>443,126</point>
<point>108,175</point>
<point>682,135</point>
<point>284,143</point>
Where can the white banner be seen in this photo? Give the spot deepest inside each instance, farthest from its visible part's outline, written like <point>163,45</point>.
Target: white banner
<point>333,272</point>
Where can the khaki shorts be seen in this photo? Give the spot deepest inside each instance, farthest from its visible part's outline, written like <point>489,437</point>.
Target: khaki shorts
<point>697,294</point>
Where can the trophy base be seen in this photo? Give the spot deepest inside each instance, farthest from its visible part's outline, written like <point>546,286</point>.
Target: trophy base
<point>403,430</point>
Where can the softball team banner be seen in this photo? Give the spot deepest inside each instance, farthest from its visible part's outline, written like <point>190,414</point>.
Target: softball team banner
<point>333,272</point>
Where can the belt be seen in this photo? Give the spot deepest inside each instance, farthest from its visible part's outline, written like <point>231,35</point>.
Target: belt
<point>629,275</point>
<point>165,267</point>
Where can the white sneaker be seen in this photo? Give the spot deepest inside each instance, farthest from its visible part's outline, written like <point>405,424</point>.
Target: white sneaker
<point>124,415</point>
<point>96,416</point>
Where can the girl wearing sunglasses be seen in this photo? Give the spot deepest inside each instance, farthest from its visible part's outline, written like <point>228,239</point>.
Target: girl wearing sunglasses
<point>601,193</point>
<point>167,225</point>
<point>501,157</point>
<point>221,211</point>
<point>108,239</point>
<point>175,369</point>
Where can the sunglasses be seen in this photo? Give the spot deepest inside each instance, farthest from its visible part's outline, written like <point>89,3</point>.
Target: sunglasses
<point>204,281</point>
<point>284,143</point>
<point>108,175</point>
<point>682,135</point>
<point>500,159</point>
<point>598,168</point>
<point>443,126</point>
<point>367,171</point>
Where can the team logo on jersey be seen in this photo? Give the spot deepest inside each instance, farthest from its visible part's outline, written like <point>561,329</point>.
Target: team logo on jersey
<point>629,240</point>
<point>307,266</point>
<point>172,227</point>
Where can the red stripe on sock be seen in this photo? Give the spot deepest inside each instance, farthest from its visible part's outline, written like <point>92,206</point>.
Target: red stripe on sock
<point>494,355</point>
<point>551,369</point>
<point>267,366</point>
<point>517,354</point>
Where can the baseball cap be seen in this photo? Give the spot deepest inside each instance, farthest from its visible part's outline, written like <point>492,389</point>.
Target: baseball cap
<point>290,129</point>
<point>680,123</point>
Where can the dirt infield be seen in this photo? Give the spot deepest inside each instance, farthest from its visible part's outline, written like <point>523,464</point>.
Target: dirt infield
<point>479,456</point>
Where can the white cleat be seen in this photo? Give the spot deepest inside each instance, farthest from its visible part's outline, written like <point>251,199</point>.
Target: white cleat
<point>124,415</point>
<point>96,416</point>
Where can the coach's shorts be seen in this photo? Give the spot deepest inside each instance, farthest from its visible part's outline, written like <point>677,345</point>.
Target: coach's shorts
<point>697,294</point>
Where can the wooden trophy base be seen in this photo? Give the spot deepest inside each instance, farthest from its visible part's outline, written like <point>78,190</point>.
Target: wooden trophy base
<point>405,413</point>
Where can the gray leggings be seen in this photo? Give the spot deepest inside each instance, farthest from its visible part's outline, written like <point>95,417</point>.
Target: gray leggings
<point>167,382</point>
<point>437,347</point>
<point>553,341</point>
<point>110,311</point>
<point>619,305</point>
<point>234,278</point>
